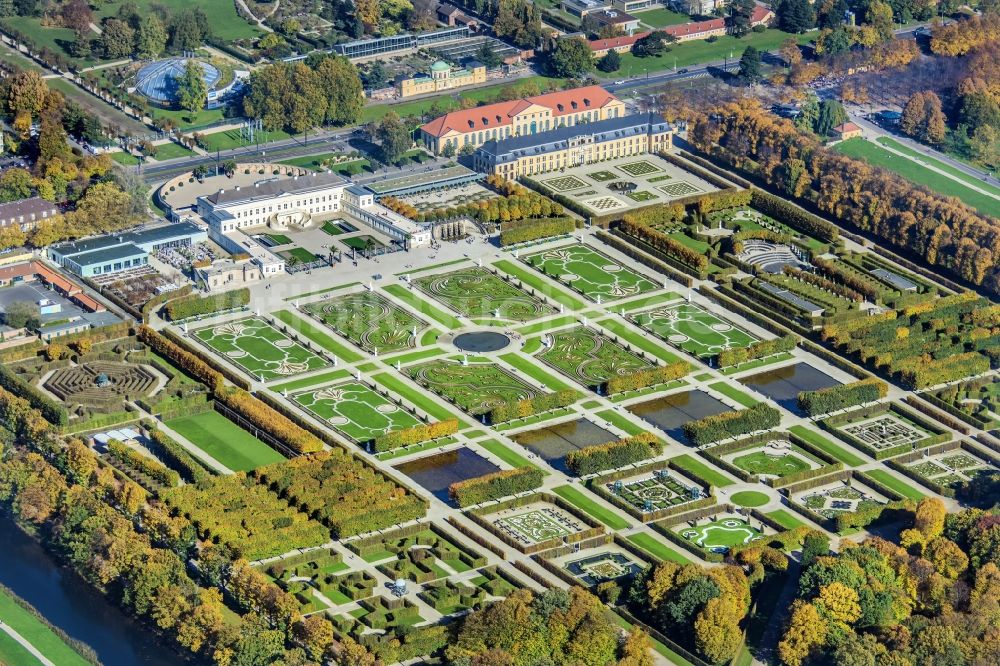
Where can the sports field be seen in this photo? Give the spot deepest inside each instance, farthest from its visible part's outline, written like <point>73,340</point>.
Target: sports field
<point>591,273</point>
<point>369,321</point>
<point>225,441</point>
<point>476,292</point>
<point>475,388</point>
<point>357,411</point>
<point>719,534</point>
<point>259,348</point>
<point>689,327</point>
<point>589,357</point>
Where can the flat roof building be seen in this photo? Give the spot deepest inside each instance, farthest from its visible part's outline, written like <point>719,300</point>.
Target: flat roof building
<point>112,253</point>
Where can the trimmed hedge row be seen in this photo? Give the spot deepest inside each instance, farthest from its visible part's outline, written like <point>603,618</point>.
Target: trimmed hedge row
<point>194,305</point>
<point>731,424</point>
<point>793,216</point>
<point>759,349</point>
<point>494,486</point>
<point>615,454</point>
<point>177,456</point>
<point>414,435</point>
<point>505,411</point>
<point>663,243</point>
<point>54,412</point>
<point>832,424</point>
<point>644,259</point>
<point>269,420</point>
<point>640,379</point>
<point>842,396</point>
<point>535,230</point>
<point>187,361</point>
<point>154,469</point>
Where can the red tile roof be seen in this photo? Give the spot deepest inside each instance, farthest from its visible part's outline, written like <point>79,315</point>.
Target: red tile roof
<point>500,114</point>
<point>847,127</point>
<point>759,15</point>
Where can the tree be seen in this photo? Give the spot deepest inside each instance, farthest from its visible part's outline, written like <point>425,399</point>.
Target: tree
<point>338,78</point>
<point>488,56</point>
<point>838,604</point>
<point>879,16</point>
<point>571,58</point>
<point>790,52</point>
<point>688,600</point>
<point>929,517</point>
<point>814,544</point>
<point>740,12</point>
<point>152,37</point>
<point>188,32</point>
<point>923,118</point>
<point>117,39</point>
<point>26,93</point>
<point>15,183</point>
<point>831,114</point>
<point>795,15</point>
<point>21,314</point>
<point>653,44</point>
<point>369,12</point>
<point>984,144</point>
<point>806,632</point>
<point>449,149</point>
<point>610,62</point>
<point>393,137</point>
<point>192,92</point>
<point>76,15</point>
<point>750,63</point>
<point>717,630</point>
<point>830,14</point>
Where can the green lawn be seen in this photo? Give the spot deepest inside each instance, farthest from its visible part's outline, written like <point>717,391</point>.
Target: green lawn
<point>306,382</point>
<point>749,498</point>
<point>231,139</point>
<point>505,454</point>
<point>538,283</point>
<point>126,159</point>
<point>657,548</point>
<point>7,54</point>
<point>225,23</point>
<point>532,369</point>
<point>538,327</point>
<point>637,340</point>
<point>620,422</point>
<point>421,400</point>
<point>785,519</point>
<point>418,355</point>
<point>901,487</point>
<point>735,394</point>
<point>592,508</point>
<point>52,38</point>
<point>305,328</point>
<point>225,441</point>
<point>701,470</point>
<point>660,18</point>
<point>169,151</point>
<point>938,164</point>
<point>185,119</point>
<point>35,632</point>
<point>701,51</point>
<point>825,445</point>
<point>874,154</point>
<point>422,306</point>
<point>647,301</point>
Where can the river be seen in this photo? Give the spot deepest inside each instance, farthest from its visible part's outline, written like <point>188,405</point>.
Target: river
<point>71,604</point>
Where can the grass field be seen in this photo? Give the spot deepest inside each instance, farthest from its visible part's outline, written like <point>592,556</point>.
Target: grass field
<point>123,158</point>
<point>891,482</point>
<point>701,470</point>
<point>356,410</point>
<point>734,394</point>
<point>662,17</point>
<point>169,151</point>
<point>591,508</point>
<point>35,632</point>
<point>225,441</point>
<point>761,462</point>
<point>369,321</point>
<point>749,498</point>
<point>536,282</point>
<point>825,445</point>
<point>622,330</point>
<point>259,348</point>
<point>938,164</point>
<point>476,292</point>
<point>475,388</point>
<point>231,139</point>
<point>785,518</point>
<point>531,369</point>
<point>306,382</point>
<point>305,328</point>
<point>647,301</point>
<point>591,273</point>
<point>620,422</point>
<point>422,306</point>
<point>421,400</point>
<point>875,155</point>
<point>590,358</point>
<point>504,453</point>
<point>223,19</point>
<point>693,329</point>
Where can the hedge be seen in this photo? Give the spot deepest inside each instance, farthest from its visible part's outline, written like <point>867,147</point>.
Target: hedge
<point>645,259</point>
<point>615,454</point>
<point>496,485</point>
<point>793,216</point>
<point>188,362</point>
<point>937,435</point>
<point>731,424</point>
<point>640,379</point>
<point>154,469</point>
<point>269,420</point>
<point>194,305</point>
<point>759,349</point>
<point>536,230</point>
<point>54,412</point>
<point>414,435</point>
<point>505,411</point>
<point>178,457</point>
<point>842,396</point>
<point>663,243</point>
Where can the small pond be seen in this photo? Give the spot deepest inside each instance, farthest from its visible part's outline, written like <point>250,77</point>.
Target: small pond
<point>784,384</point>
<point>437,472</point>
<point>670,413</point>
<point>481,341</point>
<point>554,442</point>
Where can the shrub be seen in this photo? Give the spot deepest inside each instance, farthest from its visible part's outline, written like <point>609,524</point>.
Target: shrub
<point>793,216</point>
<point>414,435</point>
<point>269,420</point>
<point>759,349</point>
<point>665,244</point>
<point>640,379</point>
<point>496,485</point>
<point>826,400</point>
<point>154,469</point>
<point>194,305</point>
<point>731,424</point>
<point>505,411</point>
<point>183,359</point>
<point>53,412</point>
<point>175,455</point>
<point>622,452</point>
<point>537,229</point>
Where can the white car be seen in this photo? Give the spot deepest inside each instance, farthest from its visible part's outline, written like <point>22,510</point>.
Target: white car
<point>619,82</point>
